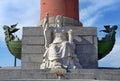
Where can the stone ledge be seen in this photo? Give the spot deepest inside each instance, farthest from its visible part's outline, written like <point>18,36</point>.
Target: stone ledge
<point>26,49</point>
<point>32,57</point>
<point>90,31</point>
<point>67,21</point>
<point>84,39</point>
<point>77,30</point>
<point>79,74</point>
<point>31,65</point>
<point>32,31</point>
<point>57,80</point>
<point>33,40</point>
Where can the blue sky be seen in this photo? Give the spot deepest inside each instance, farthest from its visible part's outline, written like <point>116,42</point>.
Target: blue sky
<point>94,13</point>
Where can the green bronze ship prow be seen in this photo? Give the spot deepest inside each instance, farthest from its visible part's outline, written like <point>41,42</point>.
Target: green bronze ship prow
<point>106,44</point>
<point>13,42</point>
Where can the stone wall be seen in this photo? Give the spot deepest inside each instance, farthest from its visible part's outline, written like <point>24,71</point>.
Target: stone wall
<point>85,39</point>
<point>86,46</point>
<point>32,47</point>
<point>66,22</point>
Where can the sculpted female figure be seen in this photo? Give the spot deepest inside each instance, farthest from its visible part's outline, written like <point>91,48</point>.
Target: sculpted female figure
<point>59,46</point>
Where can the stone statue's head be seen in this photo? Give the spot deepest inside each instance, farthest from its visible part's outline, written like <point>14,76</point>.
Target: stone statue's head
<point>59,21</point>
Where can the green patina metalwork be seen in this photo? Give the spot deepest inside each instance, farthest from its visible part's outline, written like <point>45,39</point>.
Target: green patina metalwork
<point>106,44</point>
<point>12,41</point>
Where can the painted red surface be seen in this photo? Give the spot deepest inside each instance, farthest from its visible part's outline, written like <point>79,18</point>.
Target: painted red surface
<point>67,8</point>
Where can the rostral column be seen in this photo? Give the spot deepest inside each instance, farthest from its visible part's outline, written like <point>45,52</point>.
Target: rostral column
<point>69,9</point>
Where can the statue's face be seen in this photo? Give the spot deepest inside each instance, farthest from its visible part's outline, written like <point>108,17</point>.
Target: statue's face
<point>59,21</point>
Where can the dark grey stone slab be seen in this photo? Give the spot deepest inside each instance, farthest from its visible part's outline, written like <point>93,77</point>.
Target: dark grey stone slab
<point>59,80</point>
<point>37,40</point>
<point>31,65</point>
<point>32,49</point>
<point>32,31</point>
<point>32,57</point>
<point>79,74</point>
<point>84,39</point>
<point>84,31</point>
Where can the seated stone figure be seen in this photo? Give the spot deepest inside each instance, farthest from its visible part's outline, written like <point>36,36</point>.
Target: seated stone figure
<point>59,46</point>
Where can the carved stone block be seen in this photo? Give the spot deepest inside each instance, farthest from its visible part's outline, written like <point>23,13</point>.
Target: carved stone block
<point>85,39</point>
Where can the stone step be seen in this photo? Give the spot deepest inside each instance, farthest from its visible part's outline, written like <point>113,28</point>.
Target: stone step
<point>57,80</point>
<point>30,75</point>
<point>98,74</point>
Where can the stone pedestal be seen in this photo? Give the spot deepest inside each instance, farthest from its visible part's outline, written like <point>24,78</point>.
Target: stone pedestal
<point>85,39</point>
<point>67,21</point>
<point>32,47</point>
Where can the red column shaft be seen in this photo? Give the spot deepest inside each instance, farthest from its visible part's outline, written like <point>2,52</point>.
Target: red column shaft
<point>67,8</point>
<point>72,9</point>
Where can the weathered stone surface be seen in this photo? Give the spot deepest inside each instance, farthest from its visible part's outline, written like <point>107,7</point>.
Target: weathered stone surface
<point>9,74</point>
<point>66,21</point>
<point>86,49</point>
<point>95,42</point>
<point>32,57</point>
<point>31,49</point>
<point>84,31</point>
<point>85,39</point>
<point>61,80</point>
<point>31,65</point>
<point>37,40</point>
<point>79,74</point>
<point>32,31</point>
<point>52,20</point>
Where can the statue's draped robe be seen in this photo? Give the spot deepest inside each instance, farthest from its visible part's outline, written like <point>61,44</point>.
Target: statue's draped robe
<point>60,52</point>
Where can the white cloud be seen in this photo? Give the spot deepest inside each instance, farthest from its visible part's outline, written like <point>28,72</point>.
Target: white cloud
<point>25,12</point>
<point>91,14</point>
<point>19,11</point>
<point>90,21</point>
<point>95,7</point>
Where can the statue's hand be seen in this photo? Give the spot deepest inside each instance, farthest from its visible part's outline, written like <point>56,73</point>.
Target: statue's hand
<point>46,21</point>
<point>70,31</point>
<point>46,46</point>
<point>70,36</point>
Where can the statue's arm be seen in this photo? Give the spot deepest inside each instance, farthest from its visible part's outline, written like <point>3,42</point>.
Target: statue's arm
<point>46,21</point>
<point>45,37</point>
<point>70,39</point>
<point>70,36</point>
<point>47,30</point>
